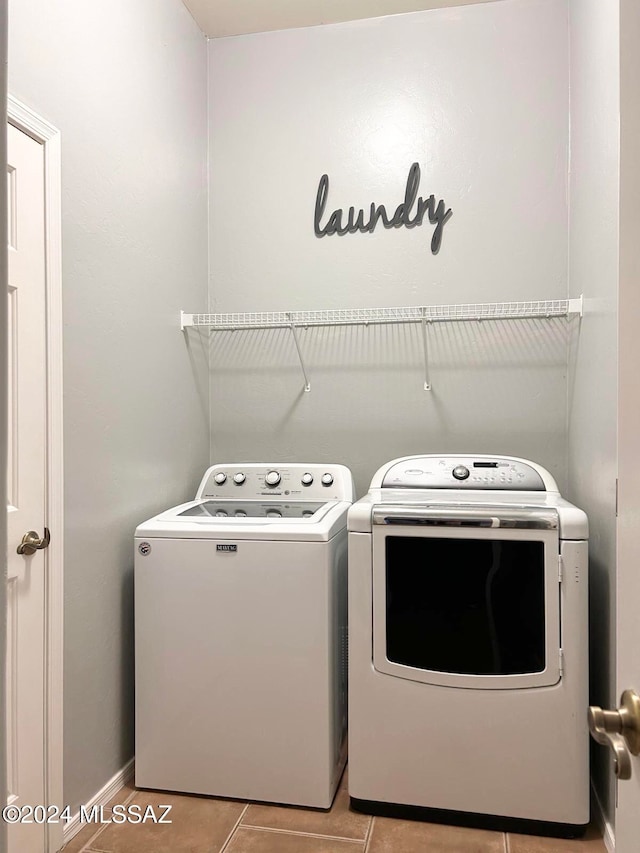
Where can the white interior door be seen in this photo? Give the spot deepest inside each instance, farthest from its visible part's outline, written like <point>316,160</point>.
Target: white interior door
<point>26,486</point>
<point>627,822</point>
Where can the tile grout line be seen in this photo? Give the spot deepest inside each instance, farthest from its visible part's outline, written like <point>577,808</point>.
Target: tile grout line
<point>367,840</point>
<point>87,847</point>
<point>507,846</point>
<point>300,834</point>
<point>310,834</point>
<point>233,831</point>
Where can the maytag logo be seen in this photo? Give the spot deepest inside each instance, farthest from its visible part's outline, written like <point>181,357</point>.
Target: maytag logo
<point>226,547</point>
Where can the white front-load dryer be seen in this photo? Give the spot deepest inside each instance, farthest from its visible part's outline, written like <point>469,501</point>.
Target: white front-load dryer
<point>240,636</point>
<point>468,638</point>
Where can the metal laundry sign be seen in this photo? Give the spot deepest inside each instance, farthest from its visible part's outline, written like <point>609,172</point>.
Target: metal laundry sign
<point>437,213</point>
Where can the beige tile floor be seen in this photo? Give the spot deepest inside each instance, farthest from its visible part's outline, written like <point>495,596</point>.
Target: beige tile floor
<point>208,825</point>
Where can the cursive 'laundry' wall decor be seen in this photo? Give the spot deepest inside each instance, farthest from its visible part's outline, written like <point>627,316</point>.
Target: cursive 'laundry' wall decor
<point>438,214</point>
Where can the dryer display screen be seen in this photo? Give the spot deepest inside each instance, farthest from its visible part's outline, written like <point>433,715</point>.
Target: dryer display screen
<point>466,606</point>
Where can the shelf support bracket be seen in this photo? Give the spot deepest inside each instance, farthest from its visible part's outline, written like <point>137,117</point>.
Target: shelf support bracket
<point>576,306</point>
<point>425,349</point>
<point>307,384</point>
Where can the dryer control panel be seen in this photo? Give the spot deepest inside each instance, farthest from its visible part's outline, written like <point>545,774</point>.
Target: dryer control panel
<point>302,482</point>
<point>465,472</point>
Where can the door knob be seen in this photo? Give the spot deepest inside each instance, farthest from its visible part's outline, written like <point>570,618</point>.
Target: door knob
<point>619,730</point>
<point>31,542</point>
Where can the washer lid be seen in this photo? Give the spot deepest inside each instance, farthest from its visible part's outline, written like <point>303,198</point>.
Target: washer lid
<point>308,521</point>
<point>210,510</point>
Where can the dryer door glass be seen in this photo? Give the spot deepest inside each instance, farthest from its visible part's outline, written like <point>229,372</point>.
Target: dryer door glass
<point>466,605</point>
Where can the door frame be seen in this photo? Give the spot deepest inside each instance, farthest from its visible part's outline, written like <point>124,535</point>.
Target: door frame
<point>26,120</point>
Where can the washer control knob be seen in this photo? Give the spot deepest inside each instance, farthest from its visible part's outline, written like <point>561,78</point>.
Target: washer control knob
<point>307,479</point>
<point>220,478</point>
<point>327,479</point>
<point>460,472</point>
<point>272,478</point>
<point>239,478</point>
<point>274,513</point>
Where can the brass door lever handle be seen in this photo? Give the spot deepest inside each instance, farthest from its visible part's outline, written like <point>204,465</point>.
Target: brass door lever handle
<point>31,542</point>
<point>619,730</point>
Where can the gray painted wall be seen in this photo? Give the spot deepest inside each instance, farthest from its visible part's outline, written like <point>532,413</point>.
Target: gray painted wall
<point>464,93</point>
<point>126,85</point>
<point>593,271</point>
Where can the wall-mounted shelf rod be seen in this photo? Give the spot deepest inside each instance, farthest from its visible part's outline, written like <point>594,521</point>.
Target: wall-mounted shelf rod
<point>380,316</point>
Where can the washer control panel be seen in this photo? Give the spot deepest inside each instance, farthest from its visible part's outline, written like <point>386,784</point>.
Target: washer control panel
<point>465,472</point>
<point>307,482</point>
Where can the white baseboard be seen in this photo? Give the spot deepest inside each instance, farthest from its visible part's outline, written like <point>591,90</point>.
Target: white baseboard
<point>101,798</point>
<point>608,834</point>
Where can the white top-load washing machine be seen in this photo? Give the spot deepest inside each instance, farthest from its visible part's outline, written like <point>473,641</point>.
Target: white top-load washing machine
<point>468,646</point>
<point>240,636</point>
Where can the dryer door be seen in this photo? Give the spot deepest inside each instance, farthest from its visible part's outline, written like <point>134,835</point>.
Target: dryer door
<point>466,597</point>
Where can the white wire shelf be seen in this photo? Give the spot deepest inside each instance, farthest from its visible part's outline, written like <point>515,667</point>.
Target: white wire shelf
<point>377,316</point>
<point>423,314</point>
